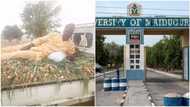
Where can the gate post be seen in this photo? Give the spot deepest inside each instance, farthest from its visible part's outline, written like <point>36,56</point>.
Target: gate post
<point>186,56</point>
<point>145,72</point>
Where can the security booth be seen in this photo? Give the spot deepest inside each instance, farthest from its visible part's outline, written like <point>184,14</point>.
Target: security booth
<point>134,54</point>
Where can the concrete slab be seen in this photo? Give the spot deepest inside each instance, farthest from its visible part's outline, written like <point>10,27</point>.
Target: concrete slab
<point>111,98</point>
<point>137,94</point>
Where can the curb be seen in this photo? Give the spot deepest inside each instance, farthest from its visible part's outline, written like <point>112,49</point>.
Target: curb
<point>123,98</point>
<point>150,98</point>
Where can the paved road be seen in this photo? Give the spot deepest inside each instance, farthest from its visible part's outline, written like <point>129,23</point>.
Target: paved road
<point>137,94</point>
<point>158,85</point>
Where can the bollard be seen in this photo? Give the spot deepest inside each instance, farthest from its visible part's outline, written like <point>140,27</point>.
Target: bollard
<point>115,84</point>
<point>107,84</point>
<point>172,99</point>
<point>123,84</point>
<point>186,99</point>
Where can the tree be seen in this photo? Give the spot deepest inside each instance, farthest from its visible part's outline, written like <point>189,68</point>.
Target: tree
<point>100,52</point>
<point>115,53</point>
<point>108,53</point>
<point>40,18</point>
<point>166,54</point>
<point>11,32</point>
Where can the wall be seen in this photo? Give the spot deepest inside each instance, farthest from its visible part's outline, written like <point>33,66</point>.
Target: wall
<point>45,94</point>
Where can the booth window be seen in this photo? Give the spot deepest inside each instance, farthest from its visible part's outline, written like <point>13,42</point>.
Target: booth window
<point>131,56</point>
<point>137,46</point>
<point>137,56</point>
<point>132,61</point>
<point>137,66</point>
<point>132,67</point>
<point>137,61</point>
<point>131,46</point>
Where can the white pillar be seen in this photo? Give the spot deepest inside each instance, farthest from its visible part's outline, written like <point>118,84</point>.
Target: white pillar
<point>186,52</point>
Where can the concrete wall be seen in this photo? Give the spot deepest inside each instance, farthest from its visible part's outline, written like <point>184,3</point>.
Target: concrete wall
<point>48,93</point>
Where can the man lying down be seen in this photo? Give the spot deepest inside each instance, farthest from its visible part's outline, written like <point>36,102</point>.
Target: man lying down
<point>41,47</point>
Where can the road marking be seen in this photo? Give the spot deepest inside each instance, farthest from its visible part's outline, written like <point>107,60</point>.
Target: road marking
<point>153,104</point>
<point>122,102</point>
<point>123,98</point>
<point>149,98</point>
<point>124,95</point>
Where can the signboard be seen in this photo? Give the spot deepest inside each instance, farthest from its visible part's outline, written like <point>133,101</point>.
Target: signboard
<point>145,22</point>
<point>134,37</point>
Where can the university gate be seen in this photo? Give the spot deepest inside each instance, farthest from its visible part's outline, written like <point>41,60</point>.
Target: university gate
<point>135,28</point>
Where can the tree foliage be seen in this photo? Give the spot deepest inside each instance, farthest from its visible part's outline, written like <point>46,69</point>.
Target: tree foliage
<point>167,54</point>
<point>11,32</point>
<point>115,53</point>
<point>100,51</point>
<point>40,18</point>
<point>108,53</point>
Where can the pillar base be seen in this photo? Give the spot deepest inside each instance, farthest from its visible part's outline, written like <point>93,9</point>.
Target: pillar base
<point>135,75</point>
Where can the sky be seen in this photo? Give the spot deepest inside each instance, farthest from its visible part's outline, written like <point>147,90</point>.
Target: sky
<point>149,8</point>
<point>118,39</point>
<point>84,11</point>
<point>73,11</point>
